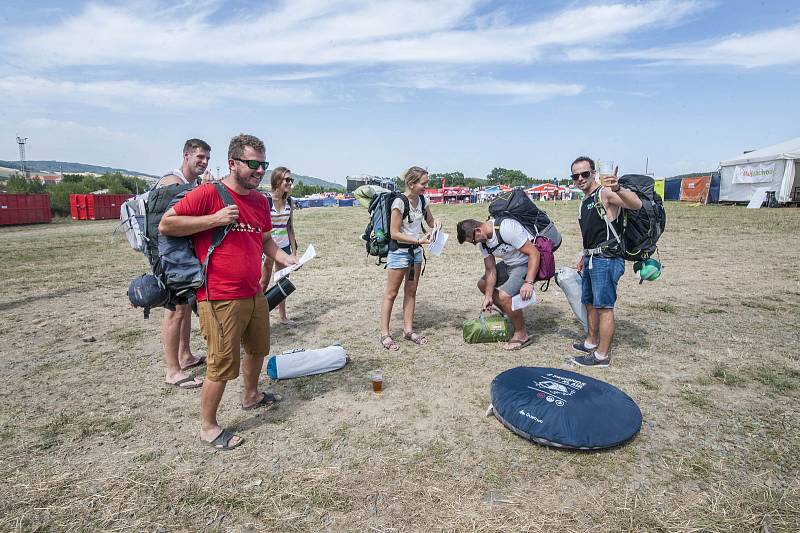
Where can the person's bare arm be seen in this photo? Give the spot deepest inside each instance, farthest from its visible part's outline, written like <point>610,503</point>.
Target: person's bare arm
<point>176,225</point>
<point>490,276</point>
<point>534,257</point>
<point>616,197</point>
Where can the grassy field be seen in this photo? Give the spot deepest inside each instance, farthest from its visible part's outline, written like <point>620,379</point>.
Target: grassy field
<point>93,440</point>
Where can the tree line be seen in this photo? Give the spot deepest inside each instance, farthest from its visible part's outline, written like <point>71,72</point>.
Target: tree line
<point>498,176</point>
<point>114,182</point>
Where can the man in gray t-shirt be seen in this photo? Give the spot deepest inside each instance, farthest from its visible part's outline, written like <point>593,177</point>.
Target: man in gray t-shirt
<point>514,275</point>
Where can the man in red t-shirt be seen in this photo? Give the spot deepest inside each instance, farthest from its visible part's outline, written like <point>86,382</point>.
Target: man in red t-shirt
<point>232,307</point>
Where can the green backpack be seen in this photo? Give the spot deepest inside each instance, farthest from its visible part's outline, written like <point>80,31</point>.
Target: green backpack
<point>491,328</point>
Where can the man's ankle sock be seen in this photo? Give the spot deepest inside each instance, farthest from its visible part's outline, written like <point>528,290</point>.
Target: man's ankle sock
<point>589,346</point>
<point>600,356</point>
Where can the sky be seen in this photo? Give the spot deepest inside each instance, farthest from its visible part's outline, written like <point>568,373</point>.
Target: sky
<point>345,87</point>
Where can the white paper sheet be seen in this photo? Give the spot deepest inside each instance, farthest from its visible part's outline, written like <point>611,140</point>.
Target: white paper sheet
<point>307,256</point>
<point>438,240</point>
<point>518,303</point>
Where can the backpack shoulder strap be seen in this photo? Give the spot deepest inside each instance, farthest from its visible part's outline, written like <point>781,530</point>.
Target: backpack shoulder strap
<point>220,232</point>
<point>406,207</point>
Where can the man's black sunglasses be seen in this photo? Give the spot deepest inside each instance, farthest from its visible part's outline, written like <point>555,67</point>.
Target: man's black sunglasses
<point>583,175</point>
<point>253,164</point>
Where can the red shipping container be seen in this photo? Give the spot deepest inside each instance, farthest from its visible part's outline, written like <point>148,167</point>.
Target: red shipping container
<point>24,209</point>
<point>104,206</point>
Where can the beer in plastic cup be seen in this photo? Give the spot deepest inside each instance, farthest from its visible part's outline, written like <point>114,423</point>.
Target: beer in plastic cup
<point>377,383</point>
<point>605,169</point>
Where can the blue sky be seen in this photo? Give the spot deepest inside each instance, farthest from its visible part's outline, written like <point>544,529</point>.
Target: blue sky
<point>338,87</point>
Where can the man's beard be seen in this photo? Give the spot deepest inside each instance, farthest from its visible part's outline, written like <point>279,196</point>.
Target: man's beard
<point>245,182</point>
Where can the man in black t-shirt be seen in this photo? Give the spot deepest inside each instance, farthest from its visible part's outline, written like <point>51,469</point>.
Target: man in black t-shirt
<point>602,262</point>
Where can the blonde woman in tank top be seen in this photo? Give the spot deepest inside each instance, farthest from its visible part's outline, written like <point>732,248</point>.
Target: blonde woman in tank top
<point>404,261</point>
<point>282,229</point>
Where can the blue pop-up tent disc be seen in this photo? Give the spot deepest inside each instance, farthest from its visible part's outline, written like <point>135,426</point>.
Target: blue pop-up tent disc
<point>565,409</point>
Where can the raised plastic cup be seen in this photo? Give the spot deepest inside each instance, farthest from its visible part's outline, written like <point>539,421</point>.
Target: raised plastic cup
<point>605,169</point>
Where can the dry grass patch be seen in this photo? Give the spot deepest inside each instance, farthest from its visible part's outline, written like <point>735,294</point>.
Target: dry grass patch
<point>93,441</point>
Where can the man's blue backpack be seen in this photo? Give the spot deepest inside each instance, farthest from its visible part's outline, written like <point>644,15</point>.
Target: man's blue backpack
<point>377,234</point>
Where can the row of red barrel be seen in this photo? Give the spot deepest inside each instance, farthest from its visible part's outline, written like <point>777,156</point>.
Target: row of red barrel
<point>96,206</point>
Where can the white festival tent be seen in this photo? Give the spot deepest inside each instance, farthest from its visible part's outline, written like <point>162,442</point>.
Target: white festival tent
<point>775,168</point>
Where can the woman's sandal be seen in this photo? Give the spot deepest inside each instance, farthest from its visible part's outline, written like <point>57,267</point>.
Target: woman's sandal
<point>416,338</point>
<point>388,342</point>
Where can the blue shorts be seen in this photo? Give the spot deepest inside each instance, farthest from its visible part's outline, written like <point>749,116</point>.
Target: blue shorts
<point>403,257</point>
<point>600,282</point>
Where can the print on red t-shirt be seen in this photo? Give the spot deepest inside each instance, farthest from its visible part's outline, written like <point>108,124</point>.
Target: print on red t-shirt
<point>235,266</point>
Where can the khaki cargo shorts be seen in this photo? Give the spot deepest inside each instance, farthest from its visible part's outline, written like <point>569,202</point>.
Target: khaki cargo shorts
<point>226,326</point>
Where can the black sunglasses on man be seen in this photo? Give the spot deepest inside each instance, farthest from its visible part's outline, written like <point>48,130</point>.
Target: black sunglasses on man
<point>253,164</point>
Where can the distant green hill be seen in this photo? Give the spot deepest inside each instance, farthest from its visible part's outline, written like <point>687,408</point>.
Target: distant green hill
<point>70,168</point>
<point>691,175</point>
<point>308,180</point>
<point>78,168</point>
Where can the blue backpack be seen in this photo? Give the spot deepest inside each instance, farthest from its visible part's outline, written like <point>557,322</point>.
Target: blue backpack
<point>377,234</point>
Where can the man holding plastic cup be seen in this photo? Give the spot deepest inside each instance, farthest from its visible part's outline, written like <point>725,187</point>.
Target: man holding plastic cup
<point>601,261</point>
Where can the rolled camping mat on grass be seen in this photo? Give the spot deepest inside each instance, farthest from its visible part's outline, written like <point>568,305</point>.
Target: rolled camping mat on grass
<point>564,409</point>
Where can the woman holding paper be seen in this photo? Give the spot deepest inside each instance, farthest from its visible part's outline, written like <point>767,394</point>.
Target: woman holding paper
<point>405,255</point>
<point>282,228</point>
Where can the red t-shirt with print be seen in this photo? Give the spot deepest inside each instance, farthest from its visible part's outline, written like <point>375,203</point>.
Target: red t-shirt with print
<point>235,266</point>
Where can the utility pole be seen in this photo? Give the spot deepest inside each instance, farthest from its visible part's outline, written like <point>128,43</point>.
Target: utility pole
<point>21,142</point>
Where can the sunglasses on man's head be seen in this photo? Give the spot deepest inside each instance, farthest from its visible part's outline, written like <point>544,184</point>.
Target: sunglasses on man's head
<point>253,164</point>
<point>583,175</point>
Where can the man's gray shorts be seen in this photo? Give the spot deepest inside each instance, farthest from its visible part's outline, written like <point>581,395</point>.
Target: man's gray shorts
<point>510,279</point>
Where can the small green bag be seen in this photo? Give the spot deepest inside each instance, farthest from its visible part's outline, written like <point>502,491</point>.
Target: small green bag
<point>492,328</point>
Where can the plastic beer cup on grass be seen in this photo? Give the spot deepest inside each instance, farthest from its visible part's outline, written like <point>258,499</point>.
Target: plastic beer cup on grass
<point>377,382</point>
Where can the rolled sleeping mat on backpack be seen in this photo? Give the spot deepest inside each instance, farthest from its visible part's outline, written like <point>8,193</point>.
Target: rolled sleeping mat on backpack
<point>302,362</point>
<point>571,283</point>
<point>278,292</point>
<point>365,193</point>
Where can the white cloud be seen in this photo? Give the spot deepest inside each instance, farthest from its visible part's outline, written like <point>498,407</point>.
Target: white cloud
<point>124,95</point>
<point>760,49</point>
<point>318,32</point>
<point>68,127</point>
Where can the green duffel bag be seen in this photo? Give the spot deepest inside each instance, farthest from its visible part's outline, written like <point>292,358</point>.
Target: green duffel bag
<point>491,328</point>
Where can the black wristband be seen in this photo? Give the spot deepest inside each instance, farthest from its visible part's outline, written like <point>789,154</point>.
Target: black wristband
<point>617,189</point>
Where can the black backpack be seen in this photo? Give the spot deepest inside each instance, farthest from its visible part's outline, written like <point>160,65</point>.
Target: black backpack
<point>642,228</point>
<point>518,206</point>
<point>173,260</point>
<point>377,235</point>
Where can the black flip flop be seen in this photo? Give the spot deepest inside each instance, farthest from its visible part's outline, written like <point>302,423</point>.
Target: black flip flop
<point>519,344</point>
<point>222,440</point>
<point>267,400</point>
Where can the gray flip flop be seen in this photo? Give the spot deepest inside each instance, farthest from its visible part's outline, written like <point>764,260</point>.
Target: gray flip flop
<point>222,440</point>
<point>267,400</point>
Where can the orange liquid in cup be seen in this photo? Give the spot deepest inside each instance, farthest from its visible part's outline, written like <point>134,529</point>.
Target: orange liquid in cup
<point>377,384</point>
